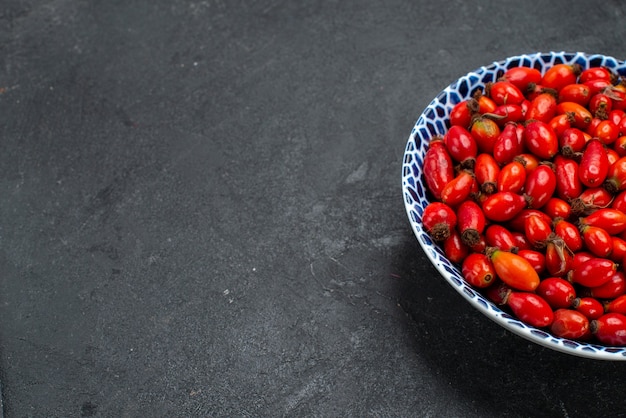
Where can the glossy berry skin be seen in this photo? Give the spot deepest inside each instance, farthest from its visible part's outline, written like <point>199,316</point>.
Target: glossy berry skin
<point>536,259</point>
<point>511,177</point>
<point>478,270</point>
<point>560,75</point>
<point>568,232</point>
<point>594,164</point>
<point>611,220</point>
<point>582,117</point>
<point>591,307</point>
<point>458,189</point>
<point>571,324</point>
<point>498,236</point>
<point>593,272</point>
<point>461,145</point>
<point>540,186</point>
<point>530,308</point>
<point>508,145</point>
<point>556,207</point>
<point>438,220</point>
<point>486,132</point>
<point>616,176</point>
<point>514,270</point>
<point>537,231</point>
<point>558,292</point>
<point>612,288</point>
<point>578,93</point>
<point>610,329</point>
<point>438,168</point>
<point>522,77</point>
<point>559,258</point>
<point>461,114</point>
<point>486,171</point>
<point>542,108</point>
<point>595,73</point>
<point>454,248</point>
<point>541,140</point>
<point>571,141</point>
<point>597,240</point>
<point>508,113</point>
<point>503,206</point>
<point>518,223</point>
<point>568,184</point>
<point>617,305</point>
<point>503,92</point>
<point>470,222</point>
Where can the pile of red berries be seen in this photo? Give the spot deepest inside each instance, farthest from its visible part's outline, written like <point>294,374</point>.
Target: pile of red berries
<point>529,198</point>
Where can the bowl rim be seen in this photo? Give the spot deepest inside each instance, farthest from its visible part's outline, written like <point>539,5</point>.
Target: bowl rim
<point>410,189</point>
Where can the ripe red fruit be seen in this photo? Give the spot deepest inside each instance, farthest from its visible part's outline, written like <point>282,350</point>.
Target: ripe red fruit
<point>611,220</point>
<point>568,184</point>
<point>530,308</point>
<point>438,167</point>
<point>560,75</point>
<point>461,146</point>
<point>540,186</point>
<point>486,172</point>
<point>478,270</point>
<point>596,240</point>
<point>617,305</point>
<point>503,92</point>
<point>462,113</point>
<point>508,145</point>
<point>571,141</point>
<point>499,237</point>
<point>578,93</point>
<point>568,232</point>
<point>536,259</point>
<point>503,206</point>
<point>522,77</point>
<point>470,222</point>
<point>542,108</point>
<point>613,288</point>
<point>589,306</point>
<point>610,329</point>
<point>594,164</point>
<point>458,189</point>
<point>537,230</point>
<point>616,177</point>
<point>511,177</point>
<point>595,73</point>
<point>556,207</point>
<point>558,292</point>
<point>454,248</point>
<point>540,139</point>
<point>485,131</point>
<point>570,324</point>
<point>438,220</point>
<point>593,272</point>
<point>559,258</point>
<point>582,116</point>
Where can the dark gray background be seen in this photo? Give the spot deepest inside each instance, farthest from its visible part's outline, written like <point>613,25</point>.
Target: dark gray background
<point>201,211</point>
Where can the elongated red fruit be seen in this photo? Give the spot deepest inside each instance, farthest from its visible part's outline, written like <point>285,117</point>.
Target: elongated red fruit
<point>610,329</point>
<point>593,272</point>
<point>438,167</point>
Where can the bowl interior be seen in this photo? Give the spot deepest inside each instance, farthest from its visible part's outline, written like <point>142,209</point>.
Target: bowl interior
<point>434,121</point>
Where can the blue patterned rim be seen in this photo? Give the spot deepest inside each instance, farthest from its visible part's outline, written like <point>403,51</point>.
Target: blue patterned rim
<point>434,121</point>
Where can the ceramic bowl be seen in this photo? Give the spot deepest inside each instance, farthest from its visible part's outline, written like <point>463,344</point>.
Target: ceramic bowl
<point>434,121</point>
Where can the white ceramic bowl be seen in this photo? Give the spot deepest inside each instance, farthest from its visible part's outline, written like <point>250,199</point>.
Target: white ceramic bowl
<point>434,121</point>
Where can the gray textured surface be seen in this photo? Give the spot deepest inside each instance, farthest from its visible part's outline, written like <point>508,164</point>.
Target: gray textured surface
<point>200,211</point>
